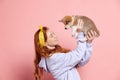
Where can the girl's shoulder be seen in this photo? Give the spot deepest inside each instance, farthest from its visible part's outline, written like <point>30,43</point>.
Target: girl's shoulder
<point>56,56</point>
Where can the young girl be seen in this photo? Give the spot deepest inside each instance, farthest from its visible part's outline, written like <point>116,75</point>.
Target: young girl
<point>60,62</point>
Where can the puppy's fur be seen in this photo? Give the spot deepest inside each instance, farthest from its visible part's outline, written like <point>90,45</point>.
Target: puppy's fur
<point>73,22</point>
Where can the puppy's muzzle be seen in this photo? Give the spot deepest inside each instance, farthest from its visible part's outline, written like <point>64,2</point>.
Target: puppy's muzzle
<point>65,28</point>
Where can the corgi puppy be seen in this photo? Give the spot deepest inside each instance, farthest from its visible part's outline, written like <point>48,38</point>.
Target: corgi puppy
<point>82,22</point>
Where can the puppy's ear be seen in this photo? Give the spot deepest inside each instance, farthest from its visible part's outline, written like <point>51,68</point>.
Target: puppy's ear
<point>60,20</point>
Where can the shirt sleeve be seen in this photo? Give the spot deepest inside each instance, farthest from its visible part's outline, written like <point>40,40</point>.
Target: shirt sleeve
<point>87,55</point>
<point>72,58</point>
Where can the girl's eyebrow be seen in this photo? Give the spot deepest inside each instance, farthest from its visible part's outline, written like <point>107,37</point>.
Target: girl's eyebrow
<point>51,34</point>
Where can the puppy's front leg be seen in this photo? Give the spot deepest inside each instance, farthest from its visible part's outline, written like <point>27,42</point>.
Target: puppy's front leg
<point>74,33</point>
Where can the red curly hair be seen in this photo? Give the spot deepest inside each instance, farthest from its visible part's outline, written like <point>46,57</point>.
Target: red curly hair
<point>43,52</point>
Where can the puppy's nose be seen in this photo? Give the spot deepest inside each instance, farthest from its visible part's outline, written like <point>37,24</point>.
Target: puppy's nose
<point>72,35</point>
<point>65,28</point>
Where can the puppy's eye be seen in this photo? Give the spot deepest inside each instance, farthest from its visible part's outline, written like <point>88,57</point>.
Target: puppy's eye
<point>67,22</point>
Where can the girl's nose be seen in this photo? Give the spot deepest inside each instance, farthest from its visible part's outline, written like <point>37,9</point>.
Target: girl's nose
<point>54,35</point>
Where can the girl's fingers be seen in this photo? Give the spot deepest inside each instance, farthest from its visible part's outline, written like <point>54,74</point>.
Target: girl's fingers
<point>81,22</point>
<point>91,35</point>
<point>95,33</point>
<point>87,37</point>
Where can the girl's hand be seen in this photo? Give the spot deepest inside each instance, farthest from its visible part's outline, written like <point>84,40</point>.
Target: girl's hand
<point>91,36</point>
<point>80,25</point>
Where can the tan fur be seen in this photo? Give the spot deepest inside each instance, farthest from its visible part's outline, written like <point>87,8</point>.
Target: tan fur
<point>66,19</point>
<point>88,23</point>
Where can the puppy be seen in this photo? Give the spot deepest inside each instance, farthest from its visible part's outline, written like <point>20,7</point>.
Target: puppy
<point>82,22</point>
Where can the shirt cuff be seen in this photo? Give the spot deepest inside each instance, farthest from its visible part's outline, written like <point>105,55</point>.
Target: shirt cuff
<point>80,35</point>
<point>89,44</point>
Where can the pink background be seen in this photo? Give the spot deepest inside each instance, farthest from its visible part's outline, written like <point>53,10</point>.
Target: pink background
<point>19,19</point>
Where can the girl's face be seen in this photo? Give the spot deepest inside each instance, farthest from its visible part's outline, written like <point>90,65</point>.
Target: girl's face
<point>51,39</point>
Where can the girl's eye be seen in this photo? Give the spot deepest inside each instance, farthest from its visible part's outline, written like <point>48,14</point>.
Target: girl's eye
<point>51,35</point>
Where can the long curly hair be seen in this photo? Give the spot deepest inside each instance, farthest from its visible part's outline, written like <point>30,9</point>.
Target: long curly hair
<point>43,52</point>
